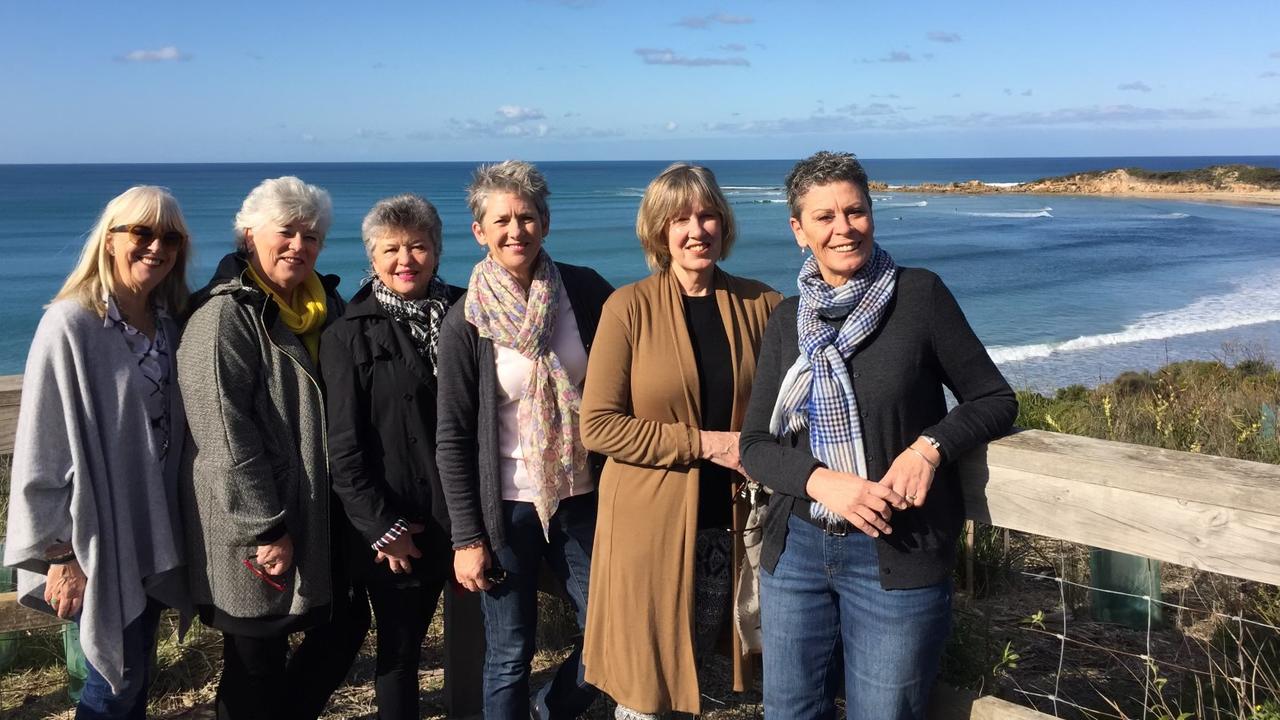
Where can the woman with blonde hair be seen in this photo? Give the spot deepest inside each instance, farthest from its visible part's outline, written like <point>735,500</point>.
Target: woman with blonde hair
<point>264,531</point>
<point>667,390</point>
<point>93,515</point>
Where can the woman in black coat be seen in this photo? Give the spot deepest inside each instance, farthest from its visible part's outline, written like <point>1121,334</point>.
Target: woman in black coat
<point>379,365</point>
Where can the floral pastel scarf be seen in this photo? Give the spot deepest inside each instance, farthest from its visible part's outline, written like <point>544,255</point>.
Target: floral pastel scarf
<point>547,413</point>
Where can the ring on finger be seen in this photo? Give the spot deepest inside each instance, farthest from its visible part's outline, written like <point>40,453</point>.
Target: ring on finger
<point>912,498</point>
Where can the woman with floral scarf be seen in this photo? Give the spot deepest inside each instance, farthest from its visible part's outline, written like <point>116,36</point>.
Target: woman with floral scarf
<point>519,487</point>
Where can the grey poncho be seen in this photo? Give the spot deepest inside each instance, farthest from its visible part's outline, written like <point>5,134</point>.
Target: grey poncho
<point>86,468</point>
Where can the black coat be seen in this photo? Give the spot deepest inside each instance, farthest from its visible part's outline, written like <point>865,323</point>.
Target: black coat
<point>381,398</point>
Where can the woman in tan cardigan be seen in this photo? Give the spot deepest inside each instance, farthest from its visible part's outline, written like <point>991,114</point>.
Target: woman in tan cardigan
<point>666,392</point>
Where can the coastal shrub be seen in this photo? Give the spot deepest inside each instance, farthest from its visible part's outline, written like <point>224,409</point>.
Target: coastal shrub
<point>1196,406</point>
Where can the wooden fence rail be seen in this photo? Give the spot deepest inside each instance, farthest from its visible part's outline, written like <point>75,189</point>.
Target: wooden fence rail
<point>1208,513</point>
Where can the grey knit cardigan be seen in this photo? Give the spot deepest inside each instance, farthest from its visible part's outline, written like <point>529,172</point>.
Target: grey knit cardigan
<point>256,464</point>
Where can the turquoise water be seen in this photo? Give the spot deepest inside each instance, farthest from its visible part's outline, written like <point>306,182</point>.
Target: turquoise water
<point>1061,289</point>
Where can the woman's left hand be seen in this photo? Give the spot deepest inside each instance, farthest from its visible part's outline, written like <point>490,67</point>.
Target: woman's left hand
<point>911,474</point>
<point>64,589</point>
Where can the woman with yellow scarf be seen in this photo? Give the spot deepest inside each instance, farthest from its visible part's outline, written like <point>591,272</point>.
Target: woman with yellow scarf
<point>256,495</point>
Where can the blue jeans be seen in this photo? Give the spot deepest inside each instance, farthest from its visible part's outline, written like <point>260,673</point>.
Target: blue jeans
<point>823,602</point>
<point>511,610</point>
<point>97,702</point>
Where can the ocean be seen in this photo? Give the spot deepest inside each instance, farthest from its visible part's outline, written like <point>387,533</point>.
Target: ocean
<point>1061,289</point>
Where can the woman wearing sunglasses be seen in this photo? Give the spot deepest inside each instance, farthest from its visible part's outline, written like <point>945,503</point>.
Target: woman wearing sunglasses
<point>261,519</point>
<point>93,513</point>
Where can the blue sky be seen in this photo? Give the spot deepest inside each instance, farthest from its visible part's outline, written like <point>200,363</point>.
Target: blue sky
<point>594,79</point>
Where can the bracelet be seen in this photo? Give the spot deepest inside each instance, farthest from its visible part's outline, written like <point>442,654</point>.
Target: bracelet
<point>931,463</point>
<point>470,546</point>
<point>62,559</point>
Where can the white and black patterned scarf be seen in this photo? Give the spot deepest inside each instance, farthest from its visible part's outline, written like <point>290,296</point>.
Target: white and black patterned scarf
<point>421,318</point>
<point>817,391</point>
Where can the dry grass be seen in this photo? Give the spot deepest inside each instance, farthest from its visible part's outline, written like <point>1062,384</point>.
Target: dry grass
<point>187,673</point>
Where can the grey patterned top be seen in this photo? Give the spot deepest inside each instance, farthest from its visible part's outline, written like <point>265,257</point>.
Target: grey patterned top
<point>156,363</point>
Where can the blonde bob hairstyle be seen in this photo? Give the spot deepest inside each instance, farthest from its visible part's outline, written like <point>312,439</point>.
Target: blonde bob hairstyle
<point>672,193</point>
<point>284,200</point>
<point>94,276</point>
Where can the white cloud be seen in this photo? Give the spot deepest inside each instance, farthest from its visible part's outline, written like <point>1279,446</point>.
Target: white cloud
<point>1270,74</point>
<point>702,22</point>
<point>672,126</point>
<point>941,36</point>
<point>1267,109</point>
<point>1136,86</point>
<point>517,113</point>
<point>168,53</point>
<point>878,116</point>
<point>734,47</point>
<point>897,56</point>
<point>667,56</point>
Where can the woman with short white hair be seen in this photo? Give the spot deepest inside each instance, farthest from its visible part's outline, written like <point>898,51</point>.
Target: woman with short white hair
<point>263,529</point>
<point>93,521</point>
<point>379,365</point>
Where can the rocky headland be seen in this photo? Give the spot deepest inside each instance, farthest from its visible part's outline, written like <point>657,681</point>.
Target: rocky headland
<point>1219,183</point>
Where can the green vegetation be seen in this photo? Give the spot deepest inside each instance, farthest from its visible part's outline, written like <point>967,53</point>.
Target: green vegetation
<point>1216,176</point>
<point>1196,406</point>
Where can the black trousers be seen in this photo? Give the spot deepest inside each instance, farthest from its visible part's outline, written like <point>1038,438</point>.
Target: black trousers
<point>261,680</point>
<point>403,615</point>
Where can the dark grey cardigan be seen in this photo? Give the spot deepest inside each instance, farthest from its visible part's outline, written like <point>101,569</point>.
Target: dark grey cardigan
<point>898,374</point>
<point>467,411</point>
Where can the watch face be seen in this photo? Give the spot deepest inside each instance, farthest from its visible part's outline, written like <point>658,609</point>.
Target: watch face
<point>936,445</point>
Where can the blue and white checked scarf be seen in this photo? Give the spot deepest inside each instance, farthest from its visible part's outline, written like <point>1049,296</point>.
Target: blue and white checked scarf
<point>816,392</point>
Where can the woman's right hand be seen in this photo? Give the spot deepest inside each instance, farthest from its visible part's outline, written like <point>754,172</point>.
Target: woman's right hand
<point>721,448</point>
<point>276,558</point>
<point>469,565</point>
<point>64,589</point>
<point>866,505</point>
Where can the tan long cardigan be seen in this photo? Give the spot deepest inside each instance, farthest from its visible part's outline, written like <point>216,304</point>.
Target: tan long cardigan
<point>641,409</point>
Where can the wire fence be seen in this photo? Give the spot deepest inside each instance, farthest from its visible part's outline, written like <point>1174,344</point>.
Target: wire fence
<point>1033,611</point>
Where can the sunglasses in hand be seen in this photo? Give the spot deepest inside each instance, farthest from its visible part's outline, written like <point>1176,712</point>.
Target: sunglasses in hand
<point>263,576</point>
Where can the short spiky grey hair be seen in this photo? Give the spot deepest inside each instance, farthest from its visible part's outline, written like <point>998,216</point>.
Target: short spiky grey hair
<point>510,176</point>
<point>402,213</point>
<point>823,168</point>
<point>284,200</point>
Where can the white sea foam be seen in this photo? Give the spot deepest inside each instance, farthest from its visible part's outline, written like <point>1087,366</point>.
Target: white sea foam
<point>921,203</point>
<point>1165,216</point>
<point>1041,213</point>
<point>1002,184</point>
<point>1252,302</point>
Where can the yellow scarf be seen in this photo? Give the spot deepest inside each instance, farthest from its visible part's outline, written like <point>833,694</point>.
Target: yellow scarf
<point>305,317</point>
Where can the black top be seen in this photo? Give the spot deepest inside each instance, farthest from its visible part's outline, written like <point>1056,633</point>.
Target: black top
<point>715,395</point>
<point>381,407</point>
<point>467,411</point>
<point>898,374</point>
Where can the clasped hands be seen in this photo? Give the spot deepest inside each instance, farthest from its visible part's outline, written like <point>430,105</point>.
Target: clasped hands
<point>868,506</point>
